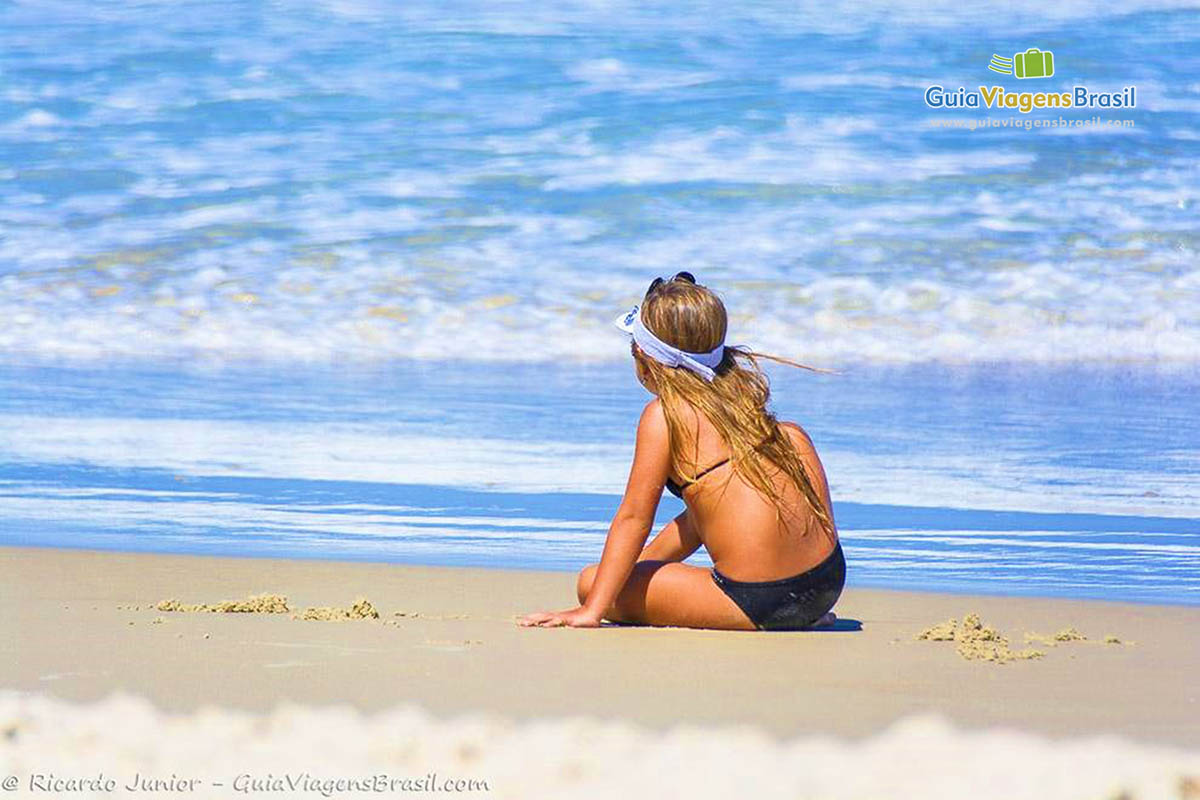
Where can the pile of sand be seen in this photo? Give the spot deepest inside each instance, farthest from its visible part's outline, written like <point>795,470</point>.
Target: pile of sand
<point>1069,635</point>
<point>325,750</point>
<point>976,641</point>
<point>276,604</point>
<point>254,604</point>
<point>362,609</point>
<point>1065,635</point>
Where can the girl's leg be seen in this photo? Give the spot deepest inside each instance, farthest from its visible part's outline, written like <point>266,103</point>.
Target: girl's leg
<point>670,593</point>
<point>674,594</point>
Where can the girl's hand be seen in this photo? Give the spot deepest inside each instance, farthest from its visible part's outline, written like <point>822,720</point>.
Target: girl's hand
<point>578,617</point>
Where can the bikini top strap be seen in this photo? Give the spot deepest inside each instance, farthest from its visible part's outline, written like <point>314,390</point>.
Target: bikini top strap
<point>705,472</point>
<point>722,462</point>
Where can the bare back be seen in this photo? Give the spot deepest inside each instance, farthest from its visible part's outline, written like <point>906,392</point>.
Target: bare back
<point>738,525</point>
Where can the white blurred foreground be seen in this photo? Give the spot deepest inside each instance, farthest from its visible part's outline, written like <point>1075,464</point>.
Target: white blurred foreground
<point>299,751</point>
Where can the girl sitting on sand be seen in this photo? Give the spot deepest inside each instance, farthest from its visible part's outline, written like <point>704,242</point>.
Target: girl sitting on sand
<point>755,490</point>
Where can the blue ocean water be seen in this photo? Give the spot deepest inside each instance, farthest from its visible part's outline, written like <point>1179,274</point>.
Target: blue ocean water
<point>365,180</point>
<point>1075,481</point>
<point>335,279</point>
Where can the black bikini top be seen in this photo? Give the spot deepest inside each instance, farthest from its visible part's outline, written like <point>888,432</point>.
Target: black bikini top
<point>677,489</point>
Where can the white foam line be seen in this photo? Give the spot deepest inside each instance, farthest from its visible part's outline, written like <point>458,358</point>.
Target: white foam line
<point>524,523</point>
<point>1013,562</point>
<point>283,516</point>
<point>913,535</point>
<point>238,518</point>
<point>348,452</point>
<point>1010,483</point>
<point>974,539</point>
<point>22,488</point>
<point>313,451</point>
<point>925,534</point>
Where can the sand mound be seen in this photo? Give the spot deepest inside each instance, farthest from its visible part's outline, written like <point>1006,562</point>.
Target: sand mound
<point>276,604</point>
<point>1069,635</point>
<point>976,641</point>
<point>362,609</point>
<point>326,750</point>
<point>254,604</point>
<point>1065,635</point>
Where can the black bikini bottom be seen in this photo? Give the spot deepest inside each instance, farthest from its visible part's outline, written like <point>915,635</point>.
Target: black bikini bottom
<point>789,604</point>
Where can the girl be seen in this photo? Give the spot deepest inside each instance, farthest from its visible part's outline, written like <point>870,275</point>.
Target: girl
<point>755,490</point>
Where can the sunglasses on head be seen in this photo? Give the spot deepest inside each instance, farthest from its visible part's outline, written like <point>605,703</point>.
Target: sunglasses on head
<point>687,277</point>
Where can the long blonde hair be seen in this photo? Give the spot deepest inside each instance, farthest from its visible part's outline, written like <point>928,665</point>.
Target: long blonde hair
<point>692,318</point>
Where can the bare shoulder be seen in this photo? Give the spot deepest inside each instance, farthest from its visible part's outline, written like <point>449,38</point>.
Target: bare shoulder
<point>804,445</point>
<point>799,436</point>
<point>808,454</point>
<point>653,421</point>
<point>653,409</point>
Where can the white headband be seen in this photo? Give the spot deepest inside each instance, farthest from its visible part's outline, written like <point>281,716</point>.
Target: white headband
<point>703,364</point>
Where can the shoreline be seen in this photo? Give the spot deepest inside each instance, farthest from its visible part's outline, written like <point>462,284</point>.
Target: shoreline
<point>292,557</point>
<point>446,640</point>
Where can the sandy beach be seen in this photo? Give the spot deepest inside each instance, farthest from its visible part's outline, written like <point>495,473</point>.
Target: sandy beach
<point>85,626</point>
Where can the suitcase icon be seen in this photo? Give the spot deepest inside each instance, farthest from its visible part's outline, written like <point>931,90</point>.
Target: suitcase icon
<point>1033,63</point>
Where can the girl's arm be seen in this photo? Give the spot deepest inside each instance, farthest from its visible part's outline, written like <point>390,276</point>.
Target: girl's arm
<point>635,517</point>
<point>675,542</point>
<point>630,526</point>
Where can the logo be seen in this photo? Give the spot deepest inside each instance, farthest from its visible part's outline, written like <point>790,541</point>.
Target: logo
<point>1033,63</point>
